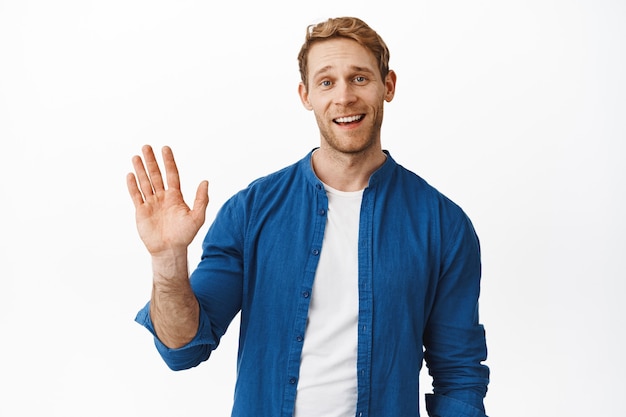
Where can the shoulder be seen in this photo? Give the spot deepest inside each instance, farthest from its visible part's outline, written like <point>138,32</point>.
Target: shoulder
<point>423,190</point>
<point>274,187</point>
<point>453,226</point>
<point>426,200</point>
<point>276,178</point>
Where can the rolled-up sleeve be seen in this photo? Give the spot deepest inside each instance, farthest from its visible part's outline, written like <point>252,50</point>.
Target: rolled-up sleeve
<point>444,406</point>
<point>454,340</point>
<point>193,353</point>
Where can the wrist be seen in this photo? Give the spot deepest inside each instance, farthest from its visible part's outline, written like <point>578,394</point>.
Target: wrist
<point>170,265</point>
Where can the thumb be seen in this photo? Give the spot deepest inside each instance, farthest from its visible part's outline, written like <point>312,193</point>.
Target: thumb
<point>201,201</point>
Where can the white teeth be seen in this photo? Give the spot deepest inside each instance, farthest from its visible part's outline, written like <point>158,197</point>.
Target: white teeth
<point>349,119</point>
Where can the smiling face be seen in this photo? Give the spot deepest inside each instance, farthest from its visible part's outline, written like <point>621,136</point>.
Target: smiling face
<point>346,93</point>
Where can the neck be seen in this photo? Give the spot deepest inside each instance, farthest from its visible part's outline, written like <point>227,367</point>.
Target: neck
<point>346,171</point>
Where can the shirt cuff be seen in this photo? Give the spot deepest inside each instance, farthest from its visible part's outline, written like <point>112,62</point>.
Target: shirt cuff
<point>187,356</point>
<point>444,406</point>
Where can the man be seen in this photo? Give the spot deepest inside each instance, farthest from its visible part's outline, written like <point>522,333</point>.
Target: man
<point>348,270</point>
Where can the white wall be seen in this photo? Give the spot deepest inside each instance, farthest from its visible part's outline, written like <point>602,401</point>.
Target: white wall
<point>513,109</point>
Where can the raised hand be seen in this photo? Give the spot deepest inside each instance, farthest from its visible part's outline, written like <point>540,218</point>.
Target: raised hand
<point>167,226</point>
<point>164,221</point>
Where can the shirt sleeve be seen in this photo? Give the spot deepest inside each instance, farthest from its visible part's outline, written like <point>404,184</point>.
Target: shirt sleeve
<point>454,341</point>
<point>217,283</point>
<point>444,406</point>
<point>196,351</point>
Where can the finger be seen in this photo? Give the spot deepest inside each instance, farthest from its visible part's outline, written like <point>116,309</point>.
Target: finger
<point>154,172</point>
<point>201,201</point>
<point>171,170</point>
<point>133,190</point>
<point>142,177</point>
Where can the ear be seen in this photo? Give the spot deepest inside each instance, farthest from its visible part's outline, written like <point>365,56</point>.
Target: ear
<point>304,96</point>
<point>390,85</point>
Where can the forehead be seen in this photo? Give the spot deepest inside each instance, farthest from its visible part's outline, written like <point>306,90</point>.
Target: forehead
<point>340,54</point>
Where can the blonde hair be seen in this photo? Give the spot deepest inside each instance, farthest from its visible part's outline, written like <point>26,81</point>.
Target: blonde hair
<point>344,27</point>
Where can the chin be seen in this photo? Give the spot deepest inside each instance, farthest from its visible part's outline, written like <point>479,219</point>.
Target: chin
<point>354,148</point>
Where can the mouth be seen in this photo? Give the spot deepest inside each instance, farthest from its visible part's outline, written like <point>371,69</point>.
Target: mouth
<point>347,120</point>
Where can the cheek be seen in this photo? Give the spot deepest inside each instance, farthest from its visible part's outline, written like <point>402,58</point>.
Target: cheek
<point>317,106</point>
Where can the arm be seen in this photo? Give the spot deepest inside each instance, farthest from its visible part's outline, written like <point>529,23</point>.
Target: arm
<point>455,345</point>
<point>167,226</point>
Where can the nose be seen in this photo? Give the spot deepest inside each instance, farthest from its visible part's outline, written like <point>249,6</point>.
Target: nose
<point>344,94</point>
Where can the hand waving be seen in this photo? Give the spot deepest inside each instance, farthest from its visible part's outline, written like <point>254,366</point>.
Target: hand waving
<point>164,221</point>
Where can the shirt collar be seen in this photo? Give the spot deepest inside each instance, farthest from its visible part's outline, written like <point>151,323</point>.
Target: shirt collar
<point>380,175</point>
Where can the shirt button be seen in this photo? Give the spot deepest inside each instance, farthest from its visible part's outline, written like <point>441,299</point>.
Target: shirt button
<point>318,186</point>
<point>305,294</point>
<point>315,252</point>
<point>299,338</point>
<point>321,212</point>
<point>292,380</point>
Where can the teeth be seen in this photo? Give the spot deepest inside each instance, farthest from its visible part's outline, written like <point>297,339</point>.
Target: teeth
<point>348,119</point>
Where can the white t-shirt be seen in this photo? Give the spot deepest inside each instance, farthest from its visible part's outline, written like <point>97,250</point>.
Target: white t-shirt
<point>327,384</point>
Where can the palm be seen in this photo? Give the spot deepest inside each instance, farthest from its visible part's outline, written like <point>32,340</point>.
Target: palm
<point>164,220</point>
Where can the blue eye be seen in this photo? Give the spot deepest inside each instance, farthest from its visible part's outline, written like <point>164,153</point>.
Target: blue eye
<point>360,79</point>
<point>326,83</point>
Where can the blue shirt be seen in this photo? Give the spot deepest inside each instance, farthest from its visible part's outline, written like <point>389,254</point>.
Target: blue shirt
<point>419,283</point>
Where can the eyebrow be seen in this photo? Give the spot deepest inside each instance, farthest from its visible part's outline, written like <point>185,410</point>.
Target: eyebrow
<point>354,68</point>
<point>321,71</point>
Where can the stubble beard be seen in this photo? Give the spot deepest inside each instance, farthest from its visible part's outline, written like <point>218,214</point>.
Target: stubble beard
<point>351,143</point>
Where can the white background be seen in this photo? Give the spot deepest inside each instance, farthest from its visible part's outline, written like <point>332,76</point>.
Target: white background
<point>515,110</point>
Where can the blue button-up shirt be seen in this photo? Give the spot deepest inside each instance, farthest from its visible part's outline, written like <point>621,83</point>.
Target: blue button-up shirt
<point>419,280</point>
